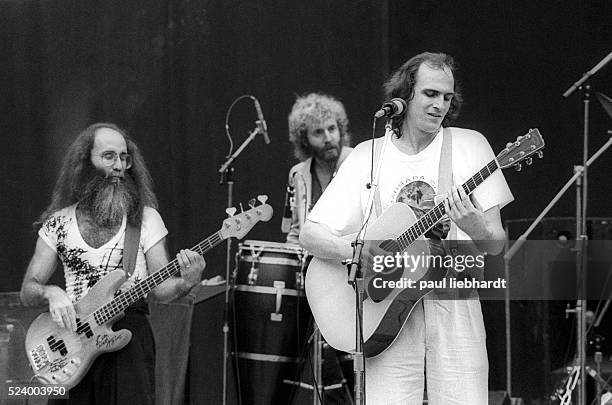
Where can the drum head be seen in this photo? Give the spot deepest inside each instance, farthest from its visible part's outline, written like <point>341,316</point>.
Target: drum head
<point>271,264</point>
<point>269,246</point>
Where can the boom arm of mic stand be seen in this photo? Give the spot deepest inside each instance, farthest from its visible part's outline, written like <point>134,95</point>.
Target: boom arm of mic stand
<point>239,150</point>
<point>587,75</point>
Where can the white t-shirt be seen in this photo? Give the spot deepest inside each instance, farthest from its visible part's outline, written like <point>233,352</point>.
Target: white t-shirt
<point>411,179</point>
<point>84,265</point>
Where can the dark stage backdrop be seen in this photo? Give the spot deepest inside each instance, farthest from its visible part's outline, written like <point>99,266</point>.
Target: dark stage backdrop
<point>167,71</point>
<point>516,59</point>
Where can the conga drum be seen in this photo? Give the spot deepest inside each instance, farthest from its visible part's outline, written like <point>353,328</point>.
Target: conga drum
<point>271,319</point>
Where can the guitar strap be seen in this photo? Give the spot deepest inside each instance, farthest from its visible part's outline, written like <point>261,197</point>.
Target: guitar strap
<point>450,243</point>
<point>378,145</point>
<point>130,248</point>
<point>445,184</point>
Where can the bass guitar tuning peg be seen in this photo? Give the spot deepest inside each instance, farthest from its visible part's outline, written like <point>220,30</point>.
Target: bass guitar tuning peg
<point>262,198</point>
<point>518,167</point>
<point>230,211</point>
<point>540,154</point>
<point>529,160</point>
<point>252,202</point>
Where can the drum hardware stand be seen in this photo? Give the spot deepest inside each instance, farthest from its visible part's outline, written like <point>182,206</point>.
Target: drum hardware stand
<point>317,343</point>
<point>252,277</point>
<point>565,395</point>
<point>227,177</point>
<point>596,374</point>
<point>317,356</point>
<point>318,386</point>
<point>299,276</point>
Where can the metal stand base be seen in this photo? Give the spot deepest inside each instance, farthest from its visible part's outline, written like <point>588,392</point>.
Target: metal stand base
<point>318,387</point>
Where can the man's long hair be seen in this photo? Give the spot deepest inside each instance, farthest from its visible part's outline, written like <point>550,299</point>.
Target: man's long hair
<point>402,81</point>
<point>313,109</point>
<point>77,164</point>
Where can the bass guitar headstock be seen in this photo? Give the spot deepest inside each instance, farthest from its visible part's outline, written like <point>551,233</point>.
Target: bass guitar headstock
<point>238,225</point>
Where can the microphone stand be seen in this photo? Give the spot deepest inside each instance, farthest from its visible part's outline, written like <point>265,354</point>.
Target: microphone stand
<point>227,177</point>
<point>578,171</point>
<point>356,278</point>
<point>581,228</point>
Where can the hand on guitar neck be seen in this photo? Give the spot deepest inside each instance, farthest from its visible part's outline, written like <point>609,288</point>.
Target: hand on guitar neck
<point>484,228</point>
<point>192,264</point>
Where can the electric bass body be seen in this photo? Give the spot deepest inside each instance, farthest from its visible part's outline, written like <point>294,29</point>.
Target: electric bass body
<point>60,356</point>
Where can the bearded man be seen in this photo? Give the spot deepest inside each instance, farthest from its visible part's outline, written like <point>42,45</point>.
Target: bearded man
<point>103,188</point>
<point>318,129</point>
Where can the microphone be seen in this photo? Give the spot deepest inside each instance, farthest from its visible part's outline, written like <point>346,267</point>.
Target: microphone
<point>392,108</point>
<point>261,123</point>
<point>289,203</point>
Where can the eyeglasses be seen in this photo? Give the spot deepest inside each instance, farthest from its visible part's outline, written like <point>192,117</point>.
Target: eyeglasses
<point>110,157</point>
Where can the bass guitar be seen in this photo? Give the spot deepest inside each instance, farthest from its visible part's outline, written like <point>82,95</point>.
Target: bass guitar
<point>386,310</point>
<point>60,356</point>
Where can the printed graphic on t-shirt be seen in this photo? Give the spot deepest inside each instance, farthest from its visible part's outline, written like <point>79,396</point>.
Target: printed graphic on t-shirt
<point>80,273</point>
<point>417,192</point>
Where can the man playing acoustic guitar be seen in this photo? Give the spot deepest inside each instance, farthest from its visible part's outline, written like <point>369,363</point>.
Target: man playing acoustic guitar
<point>442,340</point>
<point>104,187</point>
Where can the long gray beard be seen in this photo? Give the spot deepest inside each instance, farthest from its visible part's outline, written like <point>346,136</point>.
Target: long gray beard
<point>107,200</point>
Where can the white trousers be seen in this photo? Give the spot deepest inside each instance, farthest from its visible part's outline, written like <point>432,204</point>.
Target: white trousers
<point>442,342</point>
